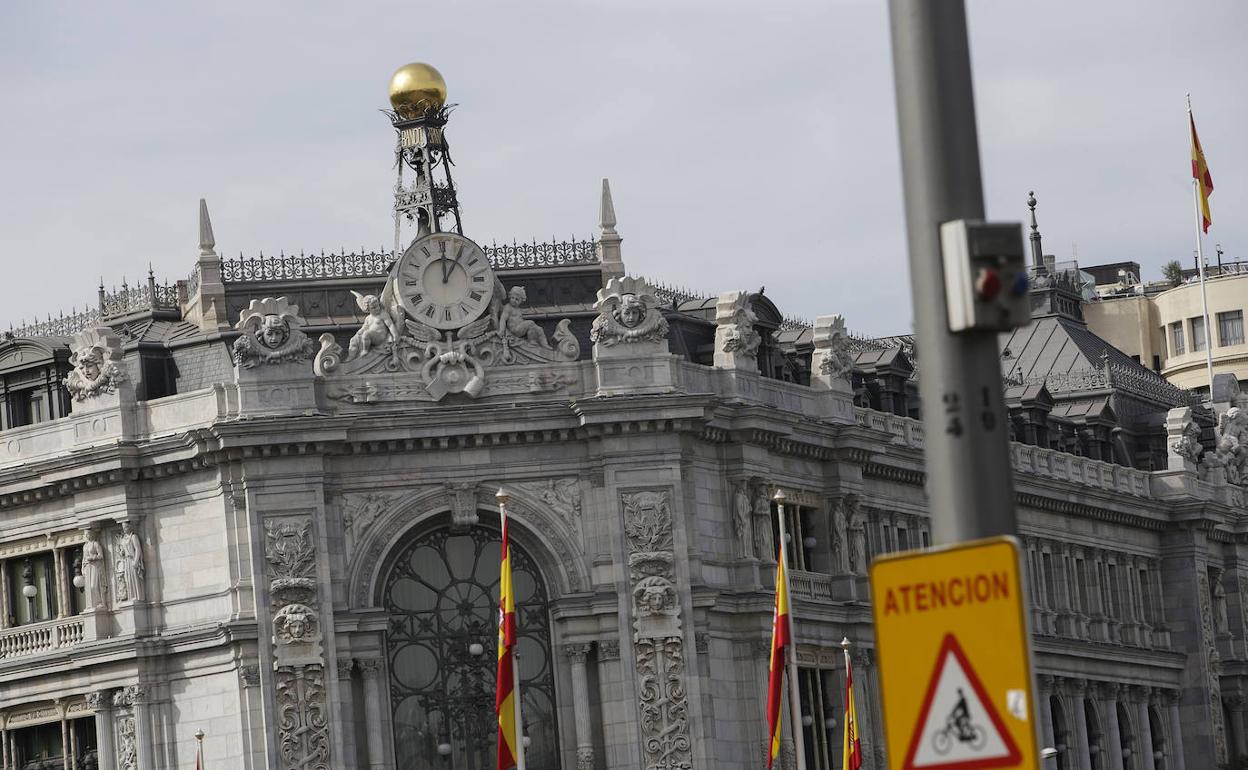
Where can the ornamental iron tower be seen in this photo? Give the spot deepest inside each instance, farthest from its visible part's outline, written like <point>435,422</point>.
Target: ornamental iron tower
<point>418,96</point>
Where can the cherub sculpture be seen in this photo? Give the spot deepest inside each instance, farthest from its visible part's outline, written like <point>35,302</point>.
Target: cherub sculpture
<point>511,320</point>
<point>381,325</point>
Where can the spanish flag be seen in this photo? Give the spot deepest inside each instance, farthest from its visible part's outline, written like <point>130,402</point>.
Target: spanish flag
<point>1200,172</point>
<point>505,694</point>
<point>853,746</point>
<point>779,641</point>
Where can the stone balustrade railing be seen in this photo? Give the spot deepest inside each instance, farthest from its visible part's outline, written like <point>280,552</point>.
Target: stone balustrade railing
<point>815,586</point>
<point>41,637</point>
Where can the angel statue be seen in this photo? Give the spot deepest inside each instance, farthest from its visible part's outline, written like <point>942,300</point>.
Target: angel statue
<point>381,325</point>
<point>511,319</point>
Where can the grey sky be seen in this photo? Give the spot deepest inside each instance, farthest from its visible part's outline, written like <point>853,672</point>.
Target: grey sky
<point>747,143</point>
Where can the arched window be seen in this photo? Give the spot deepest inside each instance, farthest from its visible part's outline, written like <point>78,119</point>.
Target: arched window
<point>441,591</point>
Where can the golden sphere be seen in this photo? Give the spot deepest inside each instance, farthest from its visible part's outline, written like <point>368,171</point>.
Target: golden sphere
<point>415,89</point>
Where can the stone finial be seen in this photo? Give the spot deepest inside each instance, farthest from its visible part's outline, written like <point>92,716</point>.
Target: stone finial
<point>207,243</point>
<point>606,210</point>
<point>736,340</point>
<point>1037,250</point>
<point>832,363</point>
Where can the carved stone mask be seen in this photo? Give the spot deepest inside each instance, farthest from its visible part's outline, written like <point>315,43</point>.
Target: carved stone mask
<point>631,311</point>
<point>273,332</point>
<point>89,364</point>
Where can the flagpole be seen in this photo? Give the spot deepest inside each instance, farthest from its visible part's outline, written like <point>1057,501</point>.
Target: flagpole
<point>199,750</point>
<point>795,697</point>
<point>502,498</point>
<point>1200,263</point>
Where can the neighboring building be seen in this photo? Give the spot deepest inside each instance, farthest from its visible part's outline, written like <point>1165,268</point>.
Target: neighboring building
<point>1166,330</point>
<point>263,506</point>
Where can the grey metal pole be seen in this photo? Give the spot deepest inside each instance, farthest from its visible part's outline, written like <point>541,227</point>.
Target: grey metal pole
<point>969,485</point>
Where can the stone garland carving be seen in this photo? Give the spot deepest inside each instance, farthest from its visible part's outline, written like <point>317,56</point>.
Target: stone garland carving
<point>270,333</point>
<point>445,362</point>
<point>628,312</point>
<point>128,565</point>
<point>96,357</point>
<point>832,356</point>
<point>657,638</point>
<point>1229,459</point>
<point>298,662</point>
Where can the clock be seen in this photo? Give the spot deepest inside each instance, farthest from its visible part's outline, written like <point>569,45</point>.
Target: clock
<point>444,280</point>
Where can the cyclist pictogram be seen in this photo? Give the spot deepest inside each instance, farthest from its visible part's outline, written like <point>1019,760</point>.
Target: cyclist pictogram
<point>959,725</point>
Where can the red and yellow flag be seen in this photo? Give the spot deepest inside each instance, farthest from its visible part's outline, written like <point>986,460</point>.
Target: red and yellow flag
<point>505,695</point>
<point>1200,172</point>
<point>779,641</point>
<point>853,746</point>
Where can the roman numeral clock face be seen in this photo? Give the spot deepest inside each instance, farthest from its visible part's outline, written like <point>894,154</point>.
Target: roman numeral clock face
<point>445,280</point>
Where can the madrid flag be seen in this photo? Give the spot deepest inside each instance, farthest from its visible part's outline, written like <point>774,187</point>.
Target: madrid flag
<point>505,694</point>
<point>1200,172</point>
<point>779,641</point>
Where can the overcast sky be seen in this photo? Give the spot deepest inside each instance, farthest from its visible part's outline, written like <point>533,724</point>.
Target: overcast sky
<point>747,143</point>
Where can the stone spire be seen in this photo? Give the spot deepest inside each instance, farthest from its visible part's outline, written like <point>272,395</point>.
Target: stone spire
<point>608,239</point>
<point>207,243</point>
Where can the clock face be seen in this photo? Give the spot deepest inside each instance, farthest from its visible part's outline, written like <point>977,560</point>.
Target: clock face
<point>444,280</point>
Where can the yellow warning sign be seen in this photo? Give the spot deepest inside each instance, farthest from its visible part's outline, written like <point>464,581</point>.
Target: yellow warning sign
<point>955,658</point>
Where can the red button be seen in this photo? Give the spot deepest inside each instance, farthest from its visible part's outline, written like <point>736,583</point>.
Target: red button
<point>987,283</point>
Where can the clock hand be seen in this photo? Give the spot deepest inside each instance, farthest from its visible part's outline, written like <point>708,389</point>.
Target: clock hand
<point>446,263</point>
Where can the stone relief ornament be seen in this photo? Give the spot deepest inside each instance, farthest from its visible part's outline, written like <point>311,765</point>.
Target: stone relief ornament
<point>455,360</point>
<point>127,749</point>
<point>764,541</point>
<point>303,728</point>
<point>363,509</point>
<point>96,357</point>
<point>463,499</point>
<point>563,496</point>
<point>296,624</point>
<point>657,637</point>
<point>1184,435</point>
<point>832,356</point>
<point>292,557</point>
<point>270,333</point>
<point>628,312</point>
<point>743,519</point>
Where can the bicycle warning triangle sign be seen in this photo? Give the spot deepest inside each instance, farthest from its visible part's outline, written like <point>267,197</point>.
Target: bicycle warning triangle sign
<point>958,726</point>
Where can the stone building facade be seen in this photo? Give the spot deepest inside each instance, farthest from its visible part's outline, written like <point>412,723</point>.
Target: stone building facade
<point>263,506</point>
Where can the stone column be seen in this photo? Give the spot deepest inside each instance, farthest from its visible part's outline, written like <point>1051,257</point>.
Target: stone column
<point>1082,750</point>
<point>1235,704</point>
<point>4,606</point>
<point>576,655</point>
<point>1113,736</point>
<point>144,740</point>
<point>60,706</point>
<point>370,669</point>
<point>1174,738</point>
<point>61,584</point>
<point>346,707</point>
<point>1144,733</point>
<point>1045,690</point>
